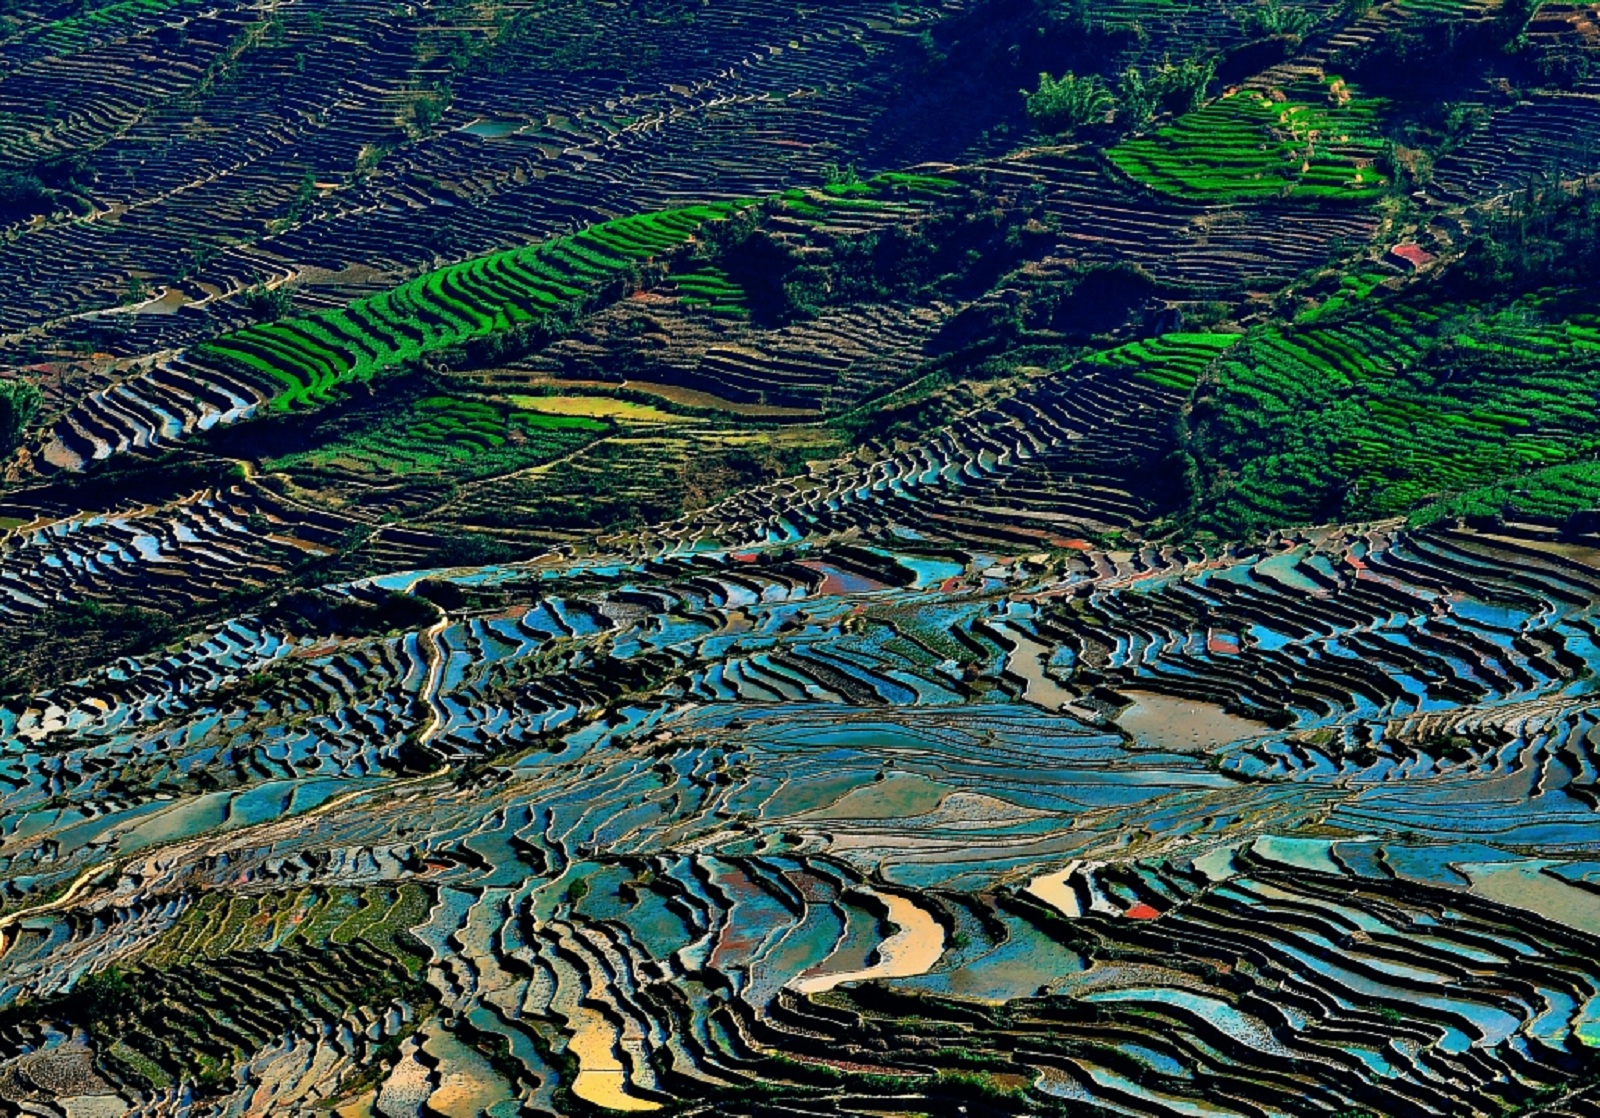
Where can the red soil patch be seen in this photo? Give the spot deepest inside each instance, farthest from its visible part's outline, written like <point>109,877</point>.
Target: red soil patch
<point>836,581</point>
<point>1223,644</point>
<point>1411,257</point>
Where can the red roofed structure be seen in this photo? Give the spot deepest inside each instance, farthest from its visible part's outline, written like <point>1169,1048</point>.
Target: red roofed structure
<point>1411,257</point>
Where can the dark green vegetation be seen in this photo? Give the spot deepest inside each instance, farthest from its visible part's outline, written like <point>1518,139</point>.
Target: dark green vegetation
<point>19,403</point>
<point>1068,102</point>
<point>1480,382</point>
<point>49,185</point>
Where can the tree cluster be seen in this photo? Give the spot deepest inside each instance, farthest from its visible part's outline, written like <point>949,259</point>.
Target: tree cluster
<point>44,187</point>
<point>1545,237</point>
<point>19,403</point>
<point>1059,106</point>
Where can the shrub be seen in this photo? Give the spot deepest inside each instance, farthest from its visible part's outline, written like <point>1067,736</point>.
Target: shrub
<point>1069,102</point>
<point>19,403</point>
<point>1276,18</point>
<point>1165,87</point>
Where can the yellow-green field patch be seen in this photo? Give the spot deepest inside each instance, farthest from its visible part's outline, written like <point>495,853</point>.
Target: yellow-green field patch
<point>597,407</point>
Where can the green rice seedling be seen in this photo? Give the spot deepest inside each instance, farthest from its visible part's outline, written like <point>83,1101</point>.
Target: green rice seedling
<point>1394,410</point>
<point>1319,141</point>
<point>310,358</point>
<point>1172,361</point>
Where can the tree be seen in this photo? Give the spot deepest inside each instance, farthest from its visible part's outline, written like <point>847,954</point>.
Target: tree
<point>19,403</point>
<point>1069,102</point>
<point>1169,86</point>
<point>835,175</point>
<point>1274,18</point>
<point>428,110</point>
<point>267,303</point>
<point>22,194</point>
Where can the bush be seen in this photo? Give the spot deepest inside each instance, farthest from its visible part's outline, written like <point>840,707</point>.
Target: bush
<point>267,303</point>
<point>21,194</point>
<point>1274,18</point>
<point>1167,87</point>
<point>19,403</point>
<point>1069,102</point>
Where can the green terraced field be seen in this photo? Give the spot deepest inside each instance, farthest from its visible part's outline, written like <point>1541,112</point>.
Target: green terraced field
<point>1375,415</point>
<point>310,358</point>
<point>712,289</point>
<point>1552,494</point>
<point>1307,142</point>
<point>1172,361</point>
<point>459,436</point>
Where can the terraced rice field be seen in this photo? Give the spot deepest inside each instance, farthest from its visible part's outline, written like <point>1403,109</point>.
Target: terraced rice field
<point>1306,141</point>
<point>1392,422</point>
<point>457,435</point>
<point>304,360</point>
<point>771,779</point>
<point>693,558</point>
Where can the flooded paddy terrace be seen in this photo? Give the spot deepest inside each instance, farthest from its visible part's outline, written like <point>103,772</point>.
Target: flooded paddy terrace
<point>1174,833</point>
